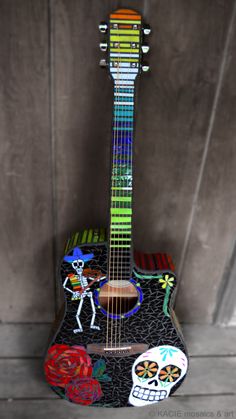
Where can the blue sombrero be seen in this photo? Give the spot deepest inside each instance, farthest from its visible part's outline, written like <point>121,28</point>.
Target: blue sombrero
<point>78,254</point>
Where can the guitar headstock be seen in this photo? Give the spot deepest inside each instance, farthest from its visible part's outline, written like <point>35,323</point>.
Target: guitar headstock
<point>125,44</point>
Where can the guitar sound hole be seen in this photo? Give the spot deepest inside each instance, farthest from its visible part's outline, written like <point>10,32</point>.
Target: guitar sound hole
<point>118,297</point>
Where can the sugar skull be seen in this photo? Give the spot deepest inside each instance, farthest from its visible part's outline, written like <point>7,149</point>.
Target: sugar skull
<point>155,372</point>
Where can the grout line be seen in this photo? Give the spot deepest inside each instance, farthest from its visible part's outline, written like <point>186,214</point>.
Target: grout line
<point>208,139</point>
<point>53,145</point>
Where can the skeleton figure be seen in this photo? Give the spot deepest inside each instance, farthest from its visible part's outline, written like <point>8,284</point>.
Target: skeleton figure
<point>155,372</point>
<point>80,285</point>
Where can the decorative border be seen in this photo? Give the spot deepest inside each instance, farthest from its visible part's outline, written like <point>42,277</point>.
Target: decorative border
<point>120,316</point>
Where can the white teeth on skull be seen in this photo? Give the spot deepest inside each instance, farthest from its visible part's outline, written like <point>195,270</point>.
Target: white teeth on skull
<point>147,394</point>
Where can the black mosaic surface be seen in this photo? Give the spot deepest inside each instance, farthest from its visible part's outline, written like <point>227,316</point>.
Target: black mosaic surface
<point>148,325</point>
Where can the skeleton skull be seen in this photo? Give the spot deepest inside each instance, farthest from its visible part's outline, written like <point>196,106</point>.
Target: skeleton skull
<point>78,264</point>
<point>155,372</point>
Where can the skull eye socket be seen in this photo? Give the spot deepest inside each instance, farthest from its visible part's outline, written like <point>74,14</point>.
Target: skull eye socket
<point>146,369</point>
<point>170,374</point>
<point>78,264</point>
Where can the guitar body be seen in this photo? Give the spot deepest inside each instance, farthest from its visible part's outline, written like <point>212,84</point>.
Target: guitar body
<point>117,342</point>
<point>106,379</point>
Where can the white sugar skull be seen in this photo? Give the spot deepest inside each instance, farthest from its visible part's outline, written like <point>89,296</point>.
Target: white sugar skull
<point>155,372</point>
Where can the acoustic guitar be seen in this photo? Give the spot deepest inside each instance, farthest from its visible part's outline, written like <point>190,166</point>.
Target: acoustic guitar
<point>118,342</point>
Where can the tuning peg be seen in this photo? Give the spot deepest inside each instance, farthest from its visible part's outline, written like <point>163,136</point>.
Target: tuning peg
<point>145,67</point>
<point>145,48</point>
<point>103,27</point>
<point>103,46</point>
<point>146,29</point>
<point>102,63</point>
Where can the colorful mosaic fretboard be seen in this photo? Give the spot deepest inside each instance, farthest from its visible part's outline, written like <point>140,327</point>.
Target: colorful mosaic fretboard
<point>124,47</point>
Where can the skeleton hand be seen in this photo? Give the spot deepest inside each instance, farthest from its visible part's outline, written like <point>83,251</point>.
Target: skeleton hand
<point>76,294</point>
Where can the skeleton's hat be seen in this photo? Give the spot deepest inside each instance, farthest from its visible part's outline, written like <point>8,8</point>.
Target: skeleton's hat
<point>78,254</point>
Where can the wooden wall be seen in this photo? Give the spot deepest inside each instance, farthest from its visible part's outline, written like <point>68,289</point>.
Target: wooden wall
<point>55,128</point>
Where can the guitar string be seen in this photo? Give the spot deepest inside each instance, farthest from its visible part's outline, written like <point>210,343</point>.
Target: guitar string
<point>113,191</point>
<point>114,262</point>
<point>125,184</point>
<point>129,136</point>
<point>126,149</point>
<point>118,193</point>
<point>119,175</point>
<point>123,174</point>
<point>121,161</point>
<point>116,233</point>
<point>115,170</point>
<point>121,193</point>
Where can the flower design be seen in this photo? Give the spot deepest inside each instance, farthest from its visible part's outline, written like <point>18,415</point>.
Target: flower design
<point>85,390</point>
<point>146,369</point>
<point>167,281</point>
<point>170,373</point>
<point>64,362</point>
<point>166,351</point>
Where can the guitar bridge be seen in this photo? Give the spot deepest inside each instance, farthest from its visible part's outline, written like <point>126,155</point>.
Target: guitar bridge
<point>117,351</point>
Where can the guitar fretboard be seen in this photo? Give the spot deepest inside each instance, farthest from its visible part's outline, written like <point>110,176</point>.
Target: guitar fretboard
<point>122,176</point>
<point>124,67</point>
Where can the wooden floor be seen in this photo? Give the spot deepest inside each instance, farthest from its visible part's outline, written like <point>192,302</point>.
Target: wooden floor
<point>209,389</point>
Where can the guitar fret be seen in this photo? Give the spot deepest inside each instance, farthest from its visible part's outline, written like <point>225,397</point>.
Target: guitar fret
<point>124,94</point>
<point>119,104</point>
<point>114,54</point>
<point>127,199</point>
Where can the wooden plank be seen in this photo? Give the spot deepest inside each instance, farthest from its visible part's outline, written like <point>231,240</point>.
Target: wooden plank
<point>212,237</point>
<point>206,340</point>
<point>173,407</point>
<point>23,378</point>
<point>23,340</point>
<point>30,340</point>
<point>226,307</point>
<point>175,104</point>
<point>233,318</point>
<point>25,164</point>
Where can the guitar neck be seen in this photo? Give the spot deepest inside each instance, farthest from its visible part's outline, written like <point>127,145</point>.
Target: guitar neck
<point>120,232</point>
<point>124,66</point>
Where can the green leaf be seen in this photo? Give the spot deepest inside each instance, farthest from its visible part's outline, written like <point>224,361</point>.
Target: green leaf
<point>99,368</point>
<point>104,377</point>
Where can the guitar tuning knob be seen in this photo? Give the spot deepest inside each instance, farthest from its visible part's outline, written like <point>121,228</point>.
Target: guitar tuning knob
<point>103,27</point>
<point>145,48</point>
<point>103,63</point>
<point>103,46</point>
<point>145,68</point>
<point>146,29</point>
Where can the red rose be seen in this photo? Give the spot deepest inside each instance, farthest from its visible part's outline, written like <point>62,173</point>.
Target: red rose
<point>64,362</point>
<point>84,390</point>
